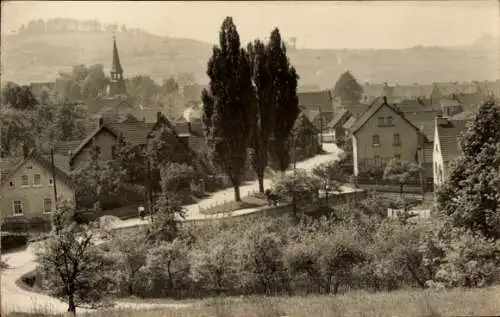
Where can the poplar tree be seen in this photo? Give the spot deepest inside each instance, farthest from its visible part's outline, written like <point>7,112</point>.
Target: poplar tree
<point>264,109</point>
<point>285,100</point>
<point>228,104</point>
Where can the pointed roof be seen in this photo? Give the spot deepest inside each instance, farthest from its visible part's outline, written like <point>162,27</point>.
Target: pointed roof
<point>116,66</point>
<point>374,108</point>
<point>449,135</point>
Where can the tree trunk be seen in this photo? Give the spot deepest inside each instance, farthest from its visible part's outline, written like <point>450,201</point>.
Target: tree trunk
<point>261,182</point>
<point>237,192</point>
<point>71,304</point>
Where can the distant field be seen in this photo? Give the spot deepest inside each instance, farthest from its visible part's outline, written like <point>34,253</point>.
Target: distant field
<point>408,303</point>
<point>28,58</point>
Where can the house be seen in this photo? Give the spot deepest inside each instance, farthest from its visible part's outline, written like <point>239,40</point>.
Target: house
<point>190,128</point>
<point>305,138</point>
<point>381,134</point>
<point>411,92</point>
<point>446,146</point>
<point>314,99</point>
<point>105,137</point>
<point>27,189</point>
<point>450,106</point>
<point>335,126</point>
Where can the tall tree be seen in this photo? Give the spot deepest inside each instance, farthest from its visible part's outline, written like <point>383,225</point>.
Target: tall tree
<point>471,194</point>
<point>348,89</point>
<point>229,101</point>
<point>264,111</point>
<point>286,103</point>
<point>18,97</point>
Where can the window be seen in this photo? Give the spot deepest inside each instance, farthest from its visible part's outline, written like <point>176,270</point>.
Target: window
<point>17,207</point>
<point>47,205</point>
<point>51,182</point>
<point>11,184</point>
<point>381,121</point>
<point>389,121</point>
<point>396,139</point>
<point>25,181</point>
<point>376,140</point>
<point>37,180</point>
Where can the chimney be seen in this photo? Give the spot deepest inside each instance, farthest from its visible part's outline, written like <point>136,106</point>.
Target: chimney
<point>101,122</point>
<point>385,99</point>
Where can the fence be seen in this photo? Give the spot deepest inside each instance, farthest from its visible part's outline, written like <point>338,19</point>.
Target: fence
<point>414,185</point>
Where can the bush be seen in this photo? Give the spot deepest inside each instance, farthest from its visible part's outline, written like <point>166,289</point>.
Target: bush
<point>12,241</point>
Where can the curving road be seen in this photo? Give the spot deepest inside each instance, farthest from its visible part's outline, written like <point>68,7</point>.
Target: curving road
<point>15,298</point>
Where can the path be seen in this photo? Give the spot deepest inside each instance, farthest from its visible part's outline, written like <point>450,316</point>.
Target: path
<point>15,298</point>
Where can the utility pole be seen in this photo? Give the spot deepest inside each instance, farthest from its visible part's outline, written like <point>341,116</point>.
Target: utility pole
<point>55,188</point>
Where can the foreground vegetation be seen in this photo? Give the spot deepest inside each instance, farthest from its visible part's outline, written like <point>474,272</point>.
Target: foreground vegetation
<point>408,303</point>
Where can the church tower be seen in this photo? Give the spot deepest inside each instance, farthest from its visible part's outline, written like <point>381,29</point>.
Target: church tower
<point>117,85</point>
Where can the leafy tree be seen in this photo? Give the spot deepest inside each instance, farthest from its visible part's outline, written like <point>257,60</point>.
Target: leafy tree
<point>18,97</point>
<point>167,268</point>
<point>471,193</point>
<point>348,89</point>
<point>331,176</point>
<point>265,109</point>
<point>71,265</point>
<point>104,184</point>
<point>82,83</point>
<point>170,85</point>
<point>284,81</point>
<point>228,104</point>
<point>259,258</point>
<point>142,88</point>
<point>300,189</point>
<point>131,251</point>
<point>401,172</point>
<point>71,122</point>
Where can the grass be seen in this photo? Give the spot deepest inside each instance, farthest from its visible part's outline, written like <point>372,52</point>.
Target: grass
<point>253,201</point>
<point>404,303</point>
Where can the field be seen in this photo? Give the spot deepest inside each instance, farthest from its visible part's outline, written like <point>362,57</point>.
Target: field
<point>407,303</point>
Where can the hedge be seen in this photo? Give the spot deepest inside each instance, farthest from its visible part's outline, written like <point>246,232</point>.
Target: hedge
<point>13,240</point>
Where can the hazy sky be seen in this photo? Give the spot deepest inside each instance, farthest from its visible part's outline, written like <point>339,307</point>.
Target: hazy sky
<point>324,24</point>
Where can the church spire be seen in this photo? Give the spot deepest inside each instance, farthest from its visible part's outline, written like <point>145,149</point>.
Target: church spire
<point>117,85</point>
<point>116,68</point>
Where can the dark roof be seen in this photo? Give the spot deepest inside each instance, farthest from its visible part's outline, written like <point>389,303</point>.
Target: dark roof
<point>358,109</point>
<point>338,117</point>
<point>414,105</point>
<point>303,120</point>
<point>322,98</point>
<point>61,164</point>
<point>64,147</point>
<point>135,133</point>
<point>449,136</point>
<point>349,123</point>
<point>424,120</point>
<point>7,164</point>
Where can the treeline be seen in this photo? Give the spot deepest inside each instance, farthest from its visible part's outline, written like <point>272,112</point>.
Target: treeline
<point>61,25</point>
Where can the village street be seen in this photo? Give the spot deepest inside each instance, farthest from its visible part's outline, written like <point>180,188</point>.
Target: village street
<point>15,298</point>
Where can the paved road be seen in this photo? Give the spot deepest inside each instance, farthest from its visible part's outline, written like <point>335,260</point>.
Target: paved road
<point>15,298</point>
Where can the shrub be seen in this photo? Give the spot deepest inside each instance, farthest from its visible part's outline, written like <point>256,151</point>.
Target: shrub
<point>470,260</point>
<point>12,241</point>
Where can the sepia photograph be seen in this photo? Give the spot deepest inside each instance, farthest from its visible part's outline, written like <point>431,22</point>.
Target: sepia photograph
<point>250,158</point>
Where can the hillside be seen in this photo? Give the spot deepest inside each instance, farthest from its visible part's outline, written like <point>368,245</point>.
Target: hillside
<point>39,57</point>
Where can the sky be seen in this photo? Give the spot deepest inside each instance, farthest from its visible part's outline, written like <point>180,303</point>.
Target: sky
<point>316,25</point>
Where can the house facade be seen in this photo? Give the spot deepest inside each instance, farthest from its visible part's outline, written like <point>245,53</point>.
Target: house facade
<point>381,134</point>
<point>446,146</point>
<point>27,191</point>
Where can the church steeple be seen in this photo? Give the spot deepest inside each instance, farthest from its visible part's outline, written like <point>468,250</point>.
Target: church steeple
<point>117,85</point>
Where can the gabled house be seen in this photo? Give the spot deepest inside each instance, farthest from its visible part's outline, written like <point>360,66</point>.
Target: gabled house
<point>27,189</point>
<point>335,126</point>
<point>383,133</point>
<point>446,146</point>
<point>105,137</point>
